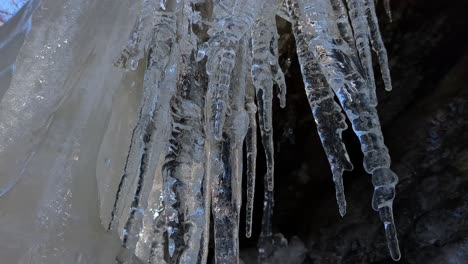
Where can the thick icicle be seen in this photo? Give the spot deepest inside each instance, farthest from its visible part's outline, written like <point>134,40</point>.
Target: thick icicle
<point>183,168</point>
<point>226,189</point>
<point>154,78</point>
<point>158,132</point>
<point>251,150</point>
<point>358,18</point>
<point>224,146</point>
<point>377,43</point>
<point>183,172</point>
<point>148,141</point>
<point>225,35</point>
<point>220,53</point>
<point>335,60</point>
<point>327,114</point>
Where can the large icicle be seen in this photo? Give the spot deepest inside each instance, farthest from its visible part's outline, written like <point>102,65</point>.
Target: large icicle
<point>225,35</point>
<point>336,62</point>
<point>343,23</point>
<point>232,24</point>
<point>150,136</point>
<point>137,209</point>
<point>327,114</point>
<point>160,73</point>
<point>183,172</point>
<point>226,188</point>
<point>183,169</point>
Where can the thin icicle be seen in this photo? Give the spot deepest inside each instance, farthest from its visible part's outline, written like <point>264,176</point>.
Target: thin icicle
<point>377,44</point>
<point>384,181</point>
<point>357,14</point>
<point>388,9</point>
<point>264,40</point>
<point>251,150</point>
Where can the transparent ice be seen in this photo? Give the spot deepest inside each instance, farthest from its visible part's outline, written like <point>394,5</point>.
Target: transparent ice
<point>151,163</point>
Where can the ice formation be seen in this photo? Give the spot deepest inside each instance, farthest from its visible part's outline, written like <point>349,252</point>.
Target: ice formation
<point>210,67</point>
<point>210,70</point>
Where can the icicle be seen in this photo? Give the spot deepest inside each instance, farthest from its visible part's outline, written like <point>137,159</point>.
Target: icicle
<point>183,172</point>
<point>336,63</point>
<point>159,62</point>
<point>220,50</point>
<point>226,188</point>
<point>361,35</point>
<point>148,140</point>
<point>183,168</point>
<point>223,162</point>
<point>343,22</point>
<point>262,37</point>
<point>265,241</point>
<point>278,74</point>
<point>377,43</point>
<point>388,9</point>
<point>157,132</point>
<point>264,40</point>
<point>328,117</point>
<point>264,89</point>
<point>192,158</point>
<point>251,150</point>
<point>384,181</point>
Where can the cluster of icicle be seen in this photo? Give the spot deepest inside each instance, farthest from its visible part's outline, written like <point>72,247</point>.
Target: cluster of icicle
<point>210,66</point>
